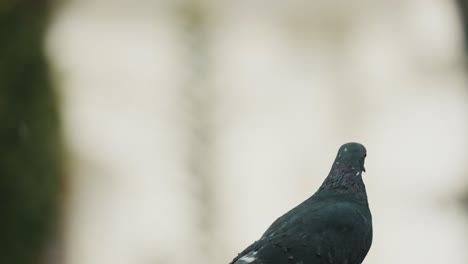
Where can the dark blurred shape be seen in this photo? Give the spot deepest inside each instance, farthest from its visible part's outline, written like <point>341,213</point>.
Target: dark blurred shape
<point>463,11</point>
<point>29,136</point>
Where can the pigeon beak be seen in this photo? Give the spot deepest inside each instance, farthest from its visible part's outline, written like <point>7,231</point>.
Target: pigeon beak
<point>363,169</point>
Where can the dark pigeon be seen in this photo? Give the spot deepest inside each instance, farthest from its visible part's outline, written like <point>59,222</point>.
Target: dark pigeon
<point>333,226</point>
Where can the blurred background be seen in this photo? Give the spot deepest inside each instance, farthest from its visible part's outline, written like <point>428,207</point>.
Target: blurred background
<point>146,131</point>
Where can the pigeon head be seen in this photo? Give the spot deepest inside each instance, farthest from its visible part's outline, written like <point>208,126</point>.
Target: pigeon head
<point>345,174</point>
<point>351,156</point>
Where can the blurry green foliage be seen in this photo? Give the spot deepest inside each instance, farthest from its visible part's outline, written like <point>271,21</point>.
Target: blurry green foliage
<point>29,135</point>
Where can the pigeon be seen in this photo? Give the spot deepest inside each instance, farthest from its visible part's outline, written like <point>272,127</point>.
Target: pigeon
<point>333,226</point>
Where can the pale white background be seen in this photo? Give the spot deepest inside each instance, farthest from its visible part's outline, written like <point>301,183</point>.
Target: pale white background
<point>187,137</point>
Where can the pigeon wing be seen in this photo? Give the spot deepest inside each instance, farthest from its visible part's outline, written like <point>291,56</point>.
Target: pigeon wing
<point>315,232</point>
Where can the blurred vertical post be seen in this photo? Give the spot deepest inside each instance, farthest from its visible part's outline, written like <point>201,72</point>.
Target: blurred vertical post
<point>463,13</point>
<point>199,104</point>
<point>29,137</point>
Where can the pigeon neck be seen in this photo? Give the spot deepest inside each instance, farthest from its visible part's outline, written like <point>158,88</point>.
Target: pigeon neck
<point>348,181</point>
